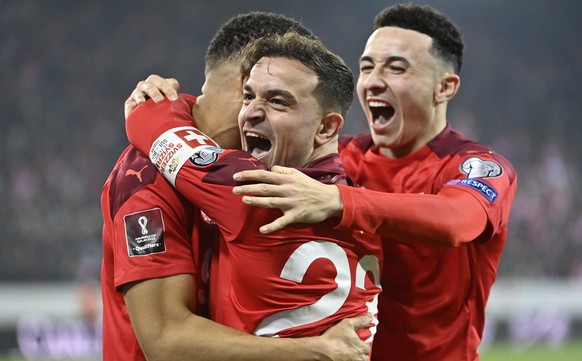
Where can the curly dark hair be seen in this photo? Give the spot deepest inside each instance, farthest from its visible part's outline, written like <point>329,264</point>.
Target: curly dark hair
<point>237,32</point>
<point>335,86</point>
<point>447,41</point>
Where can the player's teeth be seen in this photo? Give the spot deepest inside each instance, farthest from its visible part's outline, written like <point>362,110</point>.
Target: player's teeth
<point>377,104</point>
<point>251,134</point>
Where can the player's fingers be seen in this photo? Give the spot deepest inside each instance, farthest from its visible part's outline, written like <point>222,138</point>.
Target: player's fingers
<point>166,86</point>
<point>147,88</point>
<point>162,82</point>
<point>263,176</point>
<point>283,170</point>
<point>260,190</point>
<point>128,106</point>
<point>171,88</point>
<point>269,202</point>
<point>361,321</point>
<point>135,99</point>
<point>152,78</point>
<point>363,349</point>
<point>138,96</point>
<point>276,225</point>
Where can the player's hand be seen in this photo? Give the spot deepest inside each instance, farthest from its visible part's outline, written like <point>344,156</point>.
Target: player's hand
<point>301,198</point>
<point>343,341</point>
<point>154,87</point>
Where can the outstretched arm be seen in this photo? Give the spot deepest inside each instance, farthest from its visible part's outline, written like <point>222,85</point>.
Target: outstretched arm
<point>450,218</point>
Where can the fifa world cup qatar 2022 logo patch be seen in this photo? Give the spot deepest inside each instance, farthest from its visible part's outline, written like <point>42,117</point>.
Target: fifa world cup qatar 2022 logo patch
<point>144,233</point>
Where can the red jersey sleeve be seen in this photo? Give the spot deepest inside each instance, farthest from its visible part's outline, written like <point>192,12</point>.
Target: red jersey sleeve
<point>488,177</point>
<point>147,225</point>
<point>472,202</point>
<point>149,120</point>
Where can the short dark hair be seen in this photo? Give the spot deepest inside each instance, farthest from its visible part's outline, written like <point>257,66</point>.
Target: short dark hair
<point>335,85</point>
<point>237,32</point>
<point>447,41</point>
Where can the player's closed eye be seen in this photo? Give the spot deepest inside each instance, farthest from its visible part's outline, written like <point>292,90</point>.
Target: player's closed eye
<point>247,98</point>
<point>278,103</point>
<point>397,69</point>
<point>366,69</point>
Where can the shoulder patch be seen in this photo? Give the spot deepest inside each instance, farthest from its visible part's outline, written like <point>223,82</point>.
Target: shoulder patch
<point>476,167</point>
<point>144,232</point>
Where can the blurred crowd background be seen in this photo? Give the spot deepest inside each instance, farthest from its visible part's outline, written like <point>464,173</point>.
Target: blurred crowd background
<point>66,68</point>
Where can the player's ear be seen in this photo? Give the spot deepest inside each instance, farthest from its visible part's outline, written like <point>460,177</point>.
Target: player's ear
<point>447,88</point>
<point>329,128</point>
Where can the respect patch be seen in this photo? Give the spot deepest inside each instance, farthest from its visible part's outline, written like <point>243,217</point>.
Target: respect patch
<point>482,187</point>
<point>144,233</point>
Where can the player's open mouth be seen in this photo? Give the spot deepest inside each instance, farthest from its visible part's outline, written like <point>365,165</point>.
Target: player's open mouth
<point>381,111</point>
<point>257,144</point>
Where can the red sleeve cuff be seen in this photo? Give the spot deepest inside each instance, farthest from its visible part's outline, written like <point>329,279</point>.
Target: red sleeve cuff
<point>348,207</point>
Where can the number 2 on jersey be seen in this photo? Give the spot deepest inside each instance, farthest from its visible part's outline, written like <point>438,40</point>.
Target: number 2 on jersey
<point>295,269</point>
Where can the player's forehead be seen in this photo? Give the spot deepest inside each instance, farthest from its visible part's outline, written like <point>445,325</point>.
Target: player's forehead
<point>394,41</point>
<point>286,74</point>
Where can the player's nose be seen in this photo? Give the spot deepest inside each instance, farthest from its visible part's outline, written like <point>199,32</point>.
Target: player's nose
<point>252,112</point>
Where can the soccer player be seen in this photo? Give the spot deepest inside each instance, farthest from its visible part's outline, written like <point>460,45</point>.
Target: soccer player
<point>155,242</point>
<point>441,201</point>
<point>300,281</point>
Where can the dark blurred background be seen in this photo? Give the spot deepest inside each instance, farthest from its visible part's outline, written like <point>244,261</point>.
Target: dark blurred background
<point>66,68</point>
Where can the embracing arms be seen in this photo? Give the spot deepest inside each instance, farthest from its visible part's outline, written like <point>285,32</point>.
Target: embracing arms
<point>161,311</point>
<point>161,314</point>
<point>450,218</point>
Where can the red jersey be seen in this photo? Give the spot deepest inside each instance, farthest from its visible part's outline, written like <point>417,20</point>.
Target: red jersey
<point>433,300</point>
<point>149,231</point>
<point>295,282</point>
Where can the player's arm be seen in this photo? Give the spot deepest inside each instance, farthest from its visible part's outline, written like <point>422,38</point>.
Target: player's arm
<point>451,218</point>
<point>150,120</point>
<point>165,132</point>
<point>448,219</point>
<point>161,314</point>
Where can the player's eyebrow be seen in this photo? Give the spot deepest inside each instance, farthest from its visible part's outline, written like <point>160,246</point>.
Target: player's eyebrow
<point>271,93</point>
<point>388,60</point>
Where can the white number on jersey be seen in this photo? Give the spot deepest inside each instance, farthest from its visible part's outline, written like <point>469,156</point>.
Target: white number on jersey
<point>295,269</point>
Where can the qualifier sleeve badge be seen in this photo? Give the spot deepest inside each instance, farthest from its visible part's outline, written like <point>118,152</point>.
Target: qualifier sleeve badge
<point>144,233</point>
